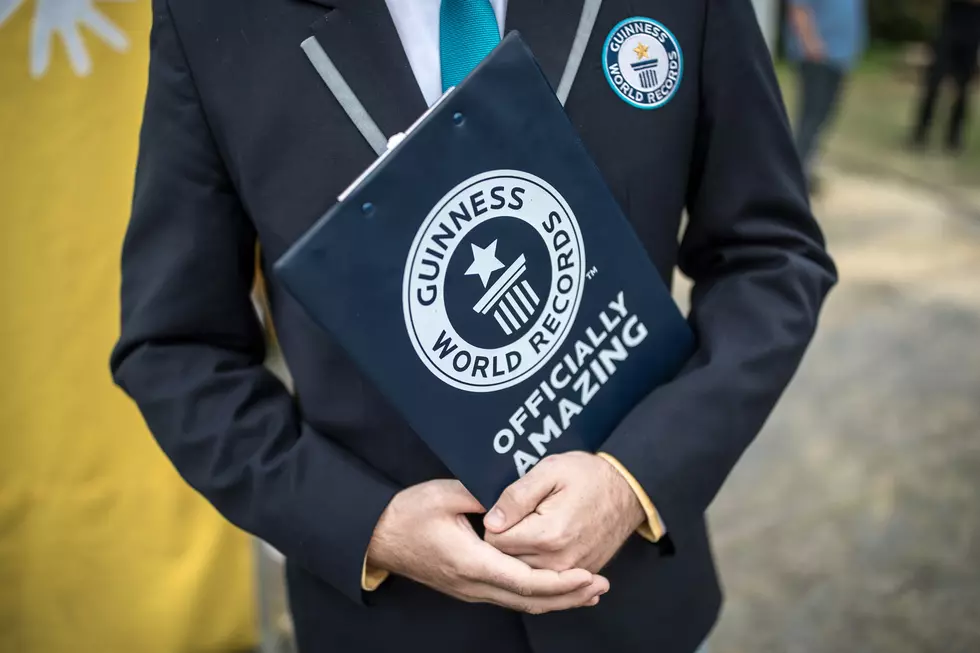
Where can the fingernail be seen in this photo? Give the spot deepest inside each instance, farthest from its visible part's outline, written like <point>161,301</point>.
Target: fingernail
<point>495,519</point>
<point>594,601</point>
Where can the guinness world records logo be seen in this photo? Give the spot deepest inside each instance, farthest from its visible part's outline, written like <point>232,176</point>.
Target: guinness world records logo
<point>493,281</point>
<point>643,62</point>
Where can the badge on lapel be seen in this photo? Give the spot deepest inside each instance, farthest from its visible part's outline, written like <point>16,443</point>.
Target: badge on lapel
<point>643,62</point>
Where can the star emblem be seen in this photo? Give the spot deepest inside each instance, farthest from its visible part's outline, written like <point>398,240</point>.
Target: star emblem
<point>642,52</point>
<point>485,262</point>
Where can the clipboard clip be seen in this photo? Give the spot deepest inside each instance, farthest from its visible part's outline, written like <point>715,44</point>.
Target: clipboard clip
<point>392,144</point>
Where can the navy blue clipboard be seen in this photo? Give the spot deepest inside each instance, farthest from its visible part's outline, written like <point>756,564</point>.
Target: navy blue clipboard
<point>483,276</point>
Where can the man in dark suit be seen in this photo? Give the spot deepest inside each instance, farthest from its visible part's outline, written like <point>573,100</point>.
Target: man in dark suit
<point>243,146</point>
<point>954,53</point>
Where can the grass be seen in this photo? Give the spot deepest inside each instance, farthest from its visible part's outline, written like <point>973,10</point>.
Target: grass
<point>872,127</point>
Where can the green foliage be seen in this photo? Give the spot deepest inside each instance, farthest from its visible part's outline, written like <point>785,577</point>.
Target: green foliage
<point>903,20</point>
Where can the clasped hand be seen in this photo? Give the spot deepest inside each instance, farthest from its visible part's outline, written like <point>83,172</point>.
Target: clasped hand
<point>546,538</point>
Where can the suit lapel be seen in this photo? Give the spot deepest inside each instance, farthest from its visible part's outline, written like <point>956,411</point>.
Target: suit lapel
<point>360,38</point>
<point>548,27</point>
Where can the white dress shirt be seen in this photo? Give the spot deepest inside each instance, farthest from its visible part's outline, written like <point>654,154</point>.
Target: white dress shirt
<point>417,22</point>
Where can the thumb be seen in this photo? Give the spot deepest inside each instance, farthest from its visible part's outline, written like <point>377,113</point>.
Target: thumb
<point>457,498</point>
<point>519,500</point>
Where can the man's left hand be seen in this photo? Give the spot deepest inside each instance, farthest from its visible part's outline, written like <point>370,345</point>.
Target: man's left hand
<point>573,510</point>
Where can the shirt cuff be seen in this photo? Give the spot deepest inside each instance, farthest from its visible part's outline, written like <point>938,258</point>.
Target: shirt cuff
<point>653,528</point>
<point>371,577</point>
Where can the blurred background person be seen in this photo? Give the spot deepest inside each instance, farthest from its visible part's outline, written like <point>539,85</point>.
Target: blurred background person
<point>955,53</point>
<point>825,38</point>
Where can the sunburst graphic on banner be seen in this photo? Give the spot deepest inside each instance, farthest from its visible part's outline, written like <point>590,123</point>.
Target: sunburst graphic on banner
<point>65,20</point>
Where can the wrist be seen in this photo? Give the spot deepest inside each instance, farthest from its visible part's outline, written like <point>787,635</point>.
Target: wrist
<point>635,515</point>
<point>377,556</point>
<point>380,551</point>
<point>629,506</point>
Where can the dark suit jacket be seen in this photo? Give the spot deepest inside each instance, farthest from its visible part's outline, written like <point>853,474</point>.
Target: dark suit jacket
<point>243,144</point>
<point>960,28</point>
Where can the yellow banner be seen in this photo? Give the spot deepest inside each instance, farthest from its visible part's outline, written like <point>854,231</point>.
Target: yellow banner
<point>102,547</point>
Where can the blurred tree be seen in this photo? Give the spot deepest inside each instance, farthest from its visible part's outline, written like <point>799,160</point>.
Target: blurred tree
<point>903,20</point>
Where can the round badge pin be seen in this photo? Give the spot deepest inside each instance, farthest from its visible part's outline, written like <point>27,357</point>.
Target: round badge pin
<point>643,62</point>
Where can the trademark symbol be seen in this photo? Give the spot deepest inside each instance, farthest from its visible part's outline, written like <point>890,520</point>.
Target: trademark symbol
<point>591,272</point>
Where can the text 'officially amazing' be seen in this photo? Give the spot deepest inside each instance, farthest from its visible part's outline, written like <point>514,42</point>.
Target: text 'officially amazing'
<point>573,382</point>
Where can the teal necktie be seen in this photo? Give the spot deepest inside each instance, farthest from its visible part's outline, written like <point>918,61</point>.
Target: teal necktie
<point>467,32</point>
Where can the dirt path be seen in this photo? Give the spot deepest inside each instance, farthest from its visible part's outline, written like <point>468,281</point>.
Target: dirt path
<point>853,523</point>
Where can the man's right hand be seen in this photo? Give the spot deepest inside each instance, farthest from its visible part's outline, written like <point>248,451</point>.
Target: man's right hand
<point>424,535</point>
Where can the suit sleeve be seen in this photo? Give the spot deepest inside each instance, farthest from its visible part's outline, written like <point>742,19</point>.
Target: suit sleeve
<point>760,274</point>
<point>191,349</point>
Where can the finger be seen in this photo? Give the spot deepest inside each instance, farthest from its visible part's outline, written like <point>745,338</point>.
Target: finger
<point>458,498</point>
<point>520,499</point>
<point>528,536</point>
<point>559,561</point>
<point>491,567</point>
<point>582,597</point>
<point>544,561</point>
<point>538,561</point>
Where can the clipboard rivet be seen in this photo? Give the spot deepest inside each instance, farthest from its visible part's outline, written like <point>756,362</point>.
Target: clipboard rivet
<point>367,209</point>
<point>458,118</point>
